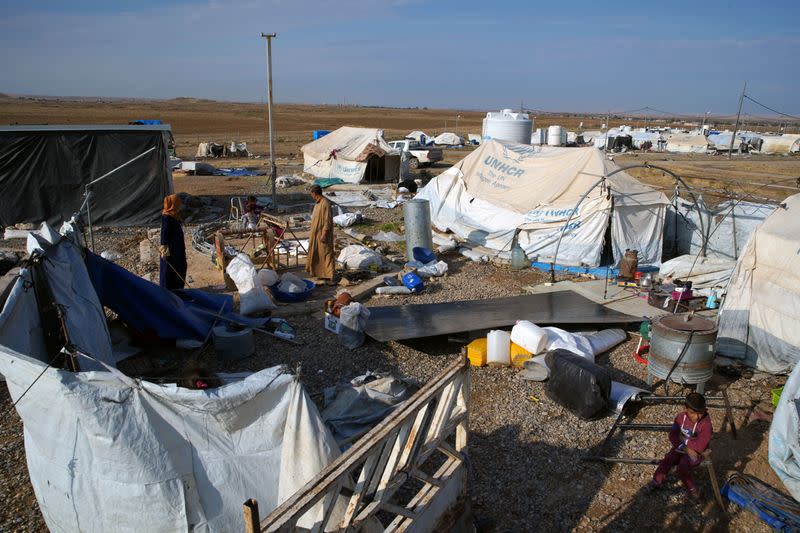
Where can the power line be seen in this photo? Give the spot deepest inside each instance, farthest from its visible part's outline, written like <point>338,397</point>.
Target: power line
<point>771,109</point>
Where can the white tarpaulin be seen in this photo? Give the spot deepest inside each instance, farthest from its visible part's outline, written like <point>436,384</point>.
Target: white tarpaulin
<point>687,143</point>
<point>784,436</point>
<point>503,187</point>
<point>703,272</point>
<point>759,321</point>
<point>109,453</point>
<point>346,154</point>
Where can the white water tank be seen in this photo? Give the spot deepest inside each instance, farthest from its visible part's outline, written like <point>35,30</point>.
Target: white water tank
<point>554,136</point>
<point>507,126</point>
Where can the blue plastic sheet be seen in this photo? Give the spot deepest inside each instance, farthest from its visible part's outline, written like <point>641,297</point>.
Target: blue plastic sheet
<point>238,171</point>
<point>152,310</point>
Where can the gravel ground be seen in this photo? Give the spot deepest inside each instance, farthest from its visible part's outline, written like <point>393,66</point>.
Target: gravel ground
<point>526,467</point>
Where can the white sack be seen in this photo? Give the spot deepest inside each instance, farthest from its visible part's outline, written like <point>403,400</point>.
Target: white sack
<point>268,277</point>
<point>252,297</point>
<point>353,319</point>
<point>291,284</point>
<point>345,220</point>
<point>356,256</point>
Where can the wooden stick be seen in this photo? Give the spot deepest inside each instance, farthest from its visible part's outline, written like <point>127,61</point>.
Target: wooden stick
<point>251,519</point>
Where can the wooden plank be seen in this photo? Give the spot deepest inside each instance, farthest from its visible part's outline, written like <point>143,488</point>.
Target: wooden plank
<point>400,322</point>
<point>251,519</point>
<point>313,491</point>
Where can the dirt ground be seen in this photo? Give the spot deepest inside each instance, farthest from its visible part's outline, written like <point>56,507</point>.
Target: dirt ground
<point>526,452</point>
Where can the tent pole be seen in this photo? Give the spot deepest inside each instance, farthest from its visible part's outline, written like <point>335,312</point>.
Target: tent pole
<point>87,191</point>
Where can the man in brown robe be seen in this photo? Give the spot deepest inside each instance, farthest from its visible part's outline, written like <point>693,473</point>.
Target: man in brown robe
<point>320,262</point>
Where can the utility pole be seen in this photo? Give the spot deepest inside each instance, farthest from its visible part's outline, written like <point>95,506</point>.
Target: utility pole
<point>736,127</point>
<point>273,171</point>
<point>457,117</point>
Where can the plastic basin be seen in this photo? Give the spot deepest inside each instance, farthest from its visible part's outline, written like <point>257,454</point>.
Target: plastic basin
<point>291,297</point>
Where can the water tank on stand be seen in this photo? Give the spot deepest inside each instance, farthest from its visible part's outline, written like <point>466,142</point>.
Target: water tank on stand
<point>556,136</point>
<point>417,219</point>
<point>507,126</point>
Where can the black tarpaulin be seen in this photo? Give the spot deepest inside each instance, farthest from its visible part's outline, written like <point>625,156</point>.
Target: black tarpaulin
<point>44,171</point>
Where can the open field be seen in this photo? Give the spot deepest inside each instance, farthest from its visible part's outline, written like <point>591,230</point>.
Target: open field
<point>194,121</point>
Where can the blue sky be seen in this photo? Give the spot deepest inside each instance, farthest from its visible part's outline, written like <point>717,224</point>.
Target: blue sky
<point>683,57</point>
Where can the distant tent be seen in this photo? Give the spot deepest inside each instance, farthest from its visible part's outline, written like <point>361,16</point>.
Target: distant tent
<point>352,155</point>
<point>687,143</point>
<point>780,144</point>
<point>419,136</point>
<point>44,171</point>
<point>448,139</point>
<point>210,149</point>
<point>503,187</point>
<point>759,322</point>
<point>238,149</point>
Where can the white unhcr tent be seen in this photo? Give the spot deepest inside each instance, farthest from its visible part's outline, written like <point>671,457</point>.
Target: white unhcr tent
<point>503,187</point>
<point>106,452</point>
<point>760,318</point>
<point>352,155</point>
<point>448,139</point>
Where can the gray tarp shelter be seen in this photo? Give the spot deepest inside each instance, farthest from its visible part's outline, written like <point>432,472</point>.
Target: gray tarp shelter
<point>44,171</point>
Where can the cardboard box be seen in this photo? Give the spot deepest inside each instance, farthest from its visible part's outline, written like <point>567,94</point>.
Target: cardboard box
<point>332,323</point>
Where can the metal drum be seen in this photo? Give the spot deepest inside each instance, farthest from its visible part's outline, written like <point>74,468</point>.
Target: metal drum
<point>417,219</point>
<point>669,335</point>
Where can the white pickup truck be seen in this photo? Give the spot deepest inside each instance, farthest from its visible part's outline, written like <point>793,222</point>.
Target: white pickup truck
<point>420,155</point>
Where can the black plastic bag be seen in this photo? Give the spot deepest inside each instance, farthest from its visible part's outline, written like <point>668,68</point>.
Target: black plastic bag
<point>578,384</point>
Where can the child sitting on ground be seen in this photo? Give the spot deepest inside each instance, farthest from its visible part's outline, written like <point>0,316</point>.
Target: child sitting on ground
<point>690,434</point>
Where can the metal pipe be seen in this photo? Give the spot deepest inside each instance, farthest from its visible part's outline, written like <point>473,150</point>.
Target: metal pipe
<point>273,169</point>
<point>123,165</point>
<point>87,193</point>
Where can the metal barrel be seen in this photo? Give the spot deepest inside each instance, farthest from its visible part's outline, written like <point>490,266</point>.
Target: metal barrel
<point>417,219</point>
<point>669,335</point>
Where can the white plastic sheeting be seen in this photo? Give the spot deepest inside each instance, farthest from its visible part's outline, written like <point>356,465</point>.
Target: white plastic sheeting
<point>344,154</point>
<point>727,226</point>
<point>703,272</point>
<point>784,436</point>
<point>504,187</point>
<point>759,321</point>
<point>117,454</point>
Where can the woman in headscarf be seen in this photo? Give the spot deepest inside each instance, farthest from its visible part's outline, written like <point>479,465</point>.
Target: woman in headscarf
<point>172,265</point>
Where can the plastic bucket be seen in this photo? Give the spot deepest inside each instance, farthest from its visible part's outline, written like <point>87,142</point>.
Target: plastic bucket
<point>423,255</point>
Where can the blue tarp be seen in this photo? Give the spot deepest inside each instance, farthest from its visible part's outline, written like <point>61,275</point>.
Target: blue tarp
<point>594,271</point>
<point>317,134</point>
<point>238,171</point>
<point>152,310</point>
<point>146,122</point>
